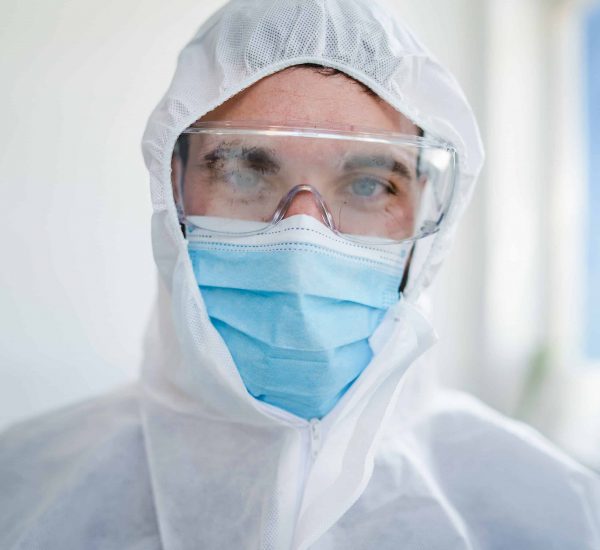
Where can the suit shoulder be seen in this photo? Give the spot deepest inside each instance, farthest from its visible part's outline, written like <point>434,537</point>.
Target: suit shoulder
<point>61,466</point>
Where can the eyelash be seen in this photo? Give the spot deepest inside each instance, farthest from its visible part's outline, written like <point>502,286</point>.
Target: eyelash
<point>390,187</point>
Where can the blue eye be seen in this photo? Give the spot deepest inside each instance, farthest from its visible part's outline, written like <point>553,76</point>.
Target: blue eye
<point>243,180</point>
<point>367,187</point>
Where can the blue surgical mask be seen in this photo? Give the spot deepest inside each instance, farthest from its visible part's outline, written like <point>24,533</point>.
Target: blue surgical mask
<point>296,306</point>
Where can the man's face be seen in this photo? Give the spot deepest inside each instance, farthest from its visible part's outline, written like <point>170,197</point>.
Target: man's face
<point>302,97</point>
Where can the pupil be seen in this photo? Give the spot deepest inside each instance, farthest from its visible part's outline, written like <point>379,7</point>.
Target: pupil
<point>364,188</point>
<point>244,180</point>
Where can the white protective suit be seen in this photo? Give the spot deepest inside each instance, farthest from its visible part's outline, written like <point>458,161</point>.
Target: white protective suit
<point>187,459</point>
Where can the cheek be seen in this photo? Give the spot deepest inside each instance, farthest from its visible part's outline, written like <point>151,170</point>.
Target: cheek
<point>404,217</point>
<point>400,223</point>
<point>196,198</point>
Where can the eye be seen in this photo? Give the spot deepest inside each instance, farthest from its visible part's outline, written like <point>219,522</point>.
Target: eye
<point>367,187</point>
<point>243,180</point>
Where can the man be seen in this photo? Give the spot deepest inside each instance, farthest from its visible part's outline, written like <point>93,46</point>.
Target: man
<point>308,167</point>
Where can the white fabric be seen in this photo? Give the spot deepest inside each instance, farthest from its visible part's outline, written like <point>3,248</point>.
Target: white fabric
<point>187,459</point>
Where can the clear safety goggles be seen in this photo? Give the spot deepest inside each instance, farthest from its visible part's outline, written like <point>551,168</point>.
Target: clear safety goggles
<point>236,179</point>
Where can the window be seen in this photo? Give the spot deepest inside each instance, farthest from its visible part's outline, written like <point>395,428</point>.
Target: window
<point>592,277</point>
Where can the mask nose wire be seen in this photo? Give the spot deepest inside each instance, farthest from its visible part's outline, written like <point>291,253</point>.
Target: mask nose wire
<point>286,202</point>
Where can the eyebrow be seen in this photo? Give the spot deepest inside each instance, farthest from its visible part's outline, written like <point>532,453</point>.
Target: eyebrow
<point>379,161</point>
<point>257,157</point>
<point>266,159</point>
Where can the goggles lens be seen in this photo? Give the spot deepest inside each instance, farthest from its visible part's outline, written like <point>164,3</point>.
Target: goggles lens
<point>241,180</point>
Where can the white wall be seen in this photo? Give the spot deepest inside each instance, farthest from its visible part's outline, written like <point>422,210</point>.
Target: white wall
<point>79,79</point>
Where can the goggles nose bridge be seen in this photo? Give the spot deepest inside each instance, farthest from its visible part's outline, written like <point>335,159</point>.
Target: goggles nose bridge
<point>286,202</point>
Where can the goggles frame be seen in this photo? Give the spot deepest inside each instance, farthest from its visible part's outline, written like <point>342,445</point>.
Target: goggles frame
<point>363,134</point>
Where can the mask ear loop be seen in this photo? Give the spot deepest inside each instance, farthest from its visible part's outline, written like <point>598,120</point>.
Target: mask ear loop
<point>404,281</point>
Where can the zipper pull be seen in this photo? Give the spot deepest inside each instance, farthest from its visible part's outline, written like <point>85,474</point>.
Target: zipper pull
<point>315,437</point>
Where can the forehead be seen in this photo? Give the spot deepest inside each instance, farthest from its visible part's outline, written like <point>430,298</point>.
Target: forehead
<point>303,95</point>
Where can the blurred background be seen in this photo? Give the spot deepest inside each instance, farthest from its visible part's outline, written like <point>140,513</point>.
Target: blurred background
<point>517,306</point>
